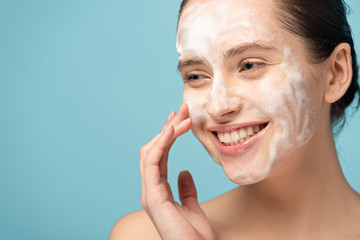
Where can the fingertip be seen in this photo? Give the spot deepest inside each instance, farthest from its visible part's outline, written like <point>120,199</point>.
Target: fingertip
<point>183,127</point>
<point>171,115</point>
<point>185,174</point>
<point>189,120</point>
<point>186,107</point>
<point>185,122</point>
<point>189,123</point>
<point>181,108</point>
<point>186,188</point>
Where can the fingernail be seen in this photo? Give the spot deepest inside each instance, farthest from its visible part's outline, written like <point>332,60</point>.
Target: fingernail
<point>181,107</point>
<point>171,114</point>
<point>186,121</point>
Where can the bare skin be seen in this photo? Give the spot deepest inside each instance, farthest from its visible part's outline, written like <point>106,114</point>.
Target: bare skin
<point>306,195</point>
<point>273,209</point>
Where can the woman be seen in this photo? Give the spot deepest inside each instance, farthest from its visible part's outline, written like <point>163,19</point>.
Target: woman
<point>264,83</point>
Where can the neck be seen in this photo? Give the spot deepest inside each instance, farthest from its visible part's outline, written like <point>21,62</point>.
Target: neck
<point>305,190</point>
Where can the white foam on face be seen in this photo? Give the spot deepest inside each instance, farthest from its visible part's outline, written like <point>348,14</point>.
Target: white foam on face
<point>197,106</point>
<point>200,19</point>
<point>207,30</point>
<point>286,102</point>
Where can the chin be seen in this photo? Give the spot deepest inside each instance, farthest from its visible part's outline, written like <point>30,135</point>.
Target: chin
<point>254,172</point>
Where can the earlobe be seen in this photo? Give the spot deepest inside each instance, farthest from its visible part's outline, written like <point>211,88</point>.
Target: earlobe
<point>339,73</point>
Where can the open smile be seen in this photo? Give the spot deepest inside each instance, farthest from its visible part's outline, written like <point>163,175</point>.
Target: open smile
<point>236,139</point>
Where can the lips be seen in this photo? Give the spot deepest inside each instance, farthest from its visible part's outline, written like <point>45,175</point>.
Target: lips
<point>234,139</point>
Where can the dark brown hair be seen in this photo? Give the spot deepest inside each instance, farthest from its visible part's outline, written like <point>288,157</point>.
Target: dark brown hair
<point>323,24</point>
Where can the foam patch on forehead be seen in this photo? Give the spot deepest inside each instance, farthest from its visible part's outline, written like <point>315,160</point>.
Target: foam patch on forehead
<point>207,30</point>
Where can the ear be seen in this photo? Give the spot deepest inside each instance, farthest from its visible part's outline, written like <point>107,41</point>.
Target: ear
<point>339,73</point>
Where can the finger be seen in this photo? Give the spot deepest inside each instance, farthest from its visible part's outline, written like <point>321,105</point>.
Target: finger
<point>168,120</point>
<point>151,166</point>
<point>180,129</point>
<point>182,114</point>
<point>187,191</point>
<point>149,145</point>
<point>174,119</point>
<point>183,127</point>
<point>168,188</point>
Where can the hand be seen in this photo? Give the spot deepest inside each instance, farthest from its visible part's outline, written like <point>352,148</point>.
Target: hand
<point>172,220</point>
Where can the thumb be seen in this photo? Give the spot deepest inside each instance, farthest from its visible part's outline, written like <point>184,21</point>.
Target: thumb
<point>187,191</point>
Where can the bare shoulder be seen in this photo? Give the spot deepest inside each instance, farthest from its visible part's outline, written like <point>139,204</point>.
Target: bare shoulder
<point>136,225</point>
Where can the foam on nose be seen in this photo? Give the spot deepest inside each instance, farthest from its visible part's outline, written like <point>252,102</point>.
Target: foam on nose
<point>218,100</point>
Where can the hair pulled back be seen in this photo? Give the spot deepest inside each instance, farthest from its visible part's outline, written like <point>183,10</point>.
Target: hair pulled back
<point>323,25</point>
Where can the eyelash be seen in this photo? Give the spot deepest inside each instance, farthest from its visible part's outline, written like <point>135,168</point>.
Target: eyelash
<point>193,77</point>
<point>246,63</point>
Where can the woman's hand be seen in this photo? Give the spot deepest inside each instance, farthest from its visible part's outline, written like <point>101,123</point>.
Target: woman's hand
<point>172,220</point>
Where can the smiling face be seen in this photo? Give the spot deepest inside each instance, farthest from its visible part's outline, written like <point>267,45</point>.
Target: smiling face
<point>252,94</point>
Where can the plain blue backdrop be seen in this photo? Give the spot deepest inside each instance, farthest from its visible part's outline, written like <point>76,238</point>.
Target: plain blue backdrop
<point>84,84</point>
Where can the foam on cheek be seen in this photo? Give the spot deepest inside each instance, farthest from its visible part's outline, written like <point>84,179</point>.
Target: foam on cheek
<point>283,98</point>
<point>292,121</point>
<point>288,109</point>
<point>197,106</point>
<point>290,112</point>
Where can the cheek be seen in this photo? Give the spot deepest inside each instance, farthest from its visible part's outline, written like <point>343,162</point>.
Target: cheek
<point>197,102</point>
<point>294,113</point>
<point>285,99</point>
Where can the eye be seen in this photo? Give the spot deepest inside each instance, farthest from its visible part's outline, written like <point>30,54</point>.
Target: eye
<point>194,77</point>
<point>247,66</point>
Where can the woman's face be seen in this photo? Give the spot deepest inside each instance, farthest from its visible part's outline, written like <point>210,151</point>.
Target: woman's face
<point>252,94</point>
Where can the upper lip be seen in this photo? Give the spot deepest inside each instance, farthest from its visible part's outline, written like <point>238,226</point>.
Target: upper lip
<point>233,127</point>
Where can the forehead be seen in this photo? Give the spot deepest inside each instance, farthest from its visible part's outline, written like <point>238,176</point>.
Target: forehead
<point>225,22</point>
<point>226,6</point>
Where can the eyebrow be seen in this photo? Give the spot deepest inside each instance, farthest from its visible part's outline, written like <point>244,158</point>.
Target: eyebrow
<point>229,53</point>
<point>240,49</point>
<point>189,62</point>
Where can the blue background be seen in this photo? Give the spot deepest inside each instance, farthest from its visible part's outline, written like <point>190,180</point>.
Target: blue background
<point>84,84</point>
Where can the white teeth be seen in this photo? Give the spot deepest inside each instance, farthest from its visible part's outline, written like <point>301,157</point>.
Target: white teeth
<point>234,136</point>
<point>250,131</point>
<point>227,138</point>
<point>242,133</point>
<point>221,137</point>
<point>239,136</point>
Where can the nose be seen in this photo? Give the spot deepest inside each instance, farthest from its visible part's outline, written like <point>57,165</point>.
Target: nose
<point>222,106</point>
